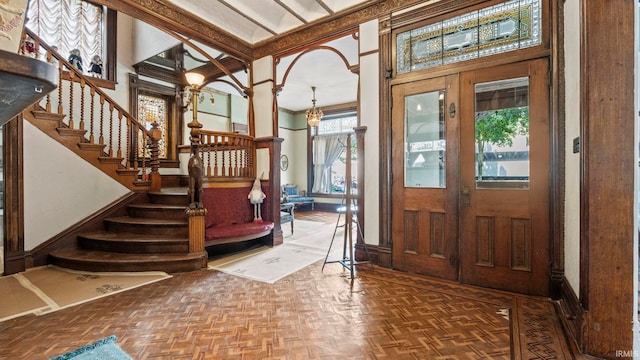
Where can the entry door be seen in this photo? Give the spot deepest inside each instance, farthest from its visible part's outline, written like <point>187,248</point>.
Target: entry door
<point>425,142</point>
<point>504,178</point>
<point>470,172</point>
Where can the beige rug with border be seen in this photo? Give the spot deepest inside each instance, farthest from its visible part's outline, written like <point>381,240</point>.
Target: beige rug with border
<point>308,244</point>
<point>45,289</point>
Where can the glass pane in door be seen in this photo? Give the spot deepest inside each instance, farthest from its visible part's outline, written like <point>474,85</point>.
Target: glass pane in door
<point>424,143</point>
<point>502,134</point>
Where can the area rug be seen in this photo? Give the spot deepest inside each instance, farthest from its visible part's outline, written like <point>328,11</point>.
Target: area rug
<point>45,289</point>
<point>103,349</point>
<point>308,244</point>
<point>270,264</point>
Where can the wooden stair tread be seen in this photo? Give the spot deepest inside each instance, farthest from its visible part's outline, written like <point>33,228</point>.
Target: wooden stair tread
<point>145,221</point>
<point>46,115</point>
<point>152,206</point>
<point>171,191</point>
<point>111,257</point>
<point>131,237</point>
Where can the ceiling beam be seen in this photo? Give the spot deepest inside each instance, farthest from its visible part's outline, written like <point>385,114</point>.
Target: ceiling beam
<point>164,15</point>
<point>326,7</point>
<point>252,20</point>
<point>290,10</point>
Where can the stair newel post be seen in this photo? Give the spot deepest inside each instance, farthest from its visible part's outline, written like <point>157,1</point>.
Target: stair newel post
<point>155,134</point>
<point>195,211</point>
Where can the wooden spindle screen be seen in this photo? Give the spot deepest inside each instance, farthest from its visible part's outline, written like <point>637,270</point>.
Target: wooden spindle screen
<point>228,156</point>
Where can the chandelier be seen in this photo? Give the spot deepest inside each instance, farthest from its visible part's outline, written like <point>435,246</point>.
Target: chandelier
<point>314,115</point>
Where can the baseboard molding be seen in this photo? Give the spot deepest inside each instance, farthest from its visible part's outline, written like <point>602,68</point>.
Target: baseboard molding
<point>38,256</point>
<point>572,317</point>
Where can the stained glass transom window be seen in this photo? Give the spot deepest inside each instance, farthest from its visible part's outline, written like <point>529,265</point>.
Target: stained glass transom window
<point>508,26</point>
<point>152,109</point>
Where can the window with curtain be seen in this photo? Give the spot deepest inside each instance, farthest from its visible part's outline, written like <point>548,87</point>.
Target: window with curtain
<point>69,25</point>
<point>329,155</point>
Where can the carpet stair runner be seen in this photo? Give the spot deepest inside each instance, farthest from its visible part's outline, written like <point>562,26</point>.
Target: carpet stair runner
<point>154,236</point>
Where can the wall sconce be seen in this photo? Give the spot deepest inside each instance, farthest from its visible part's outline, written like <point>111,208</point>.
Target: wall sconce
<point>195,87</point>
<point>314,115</point>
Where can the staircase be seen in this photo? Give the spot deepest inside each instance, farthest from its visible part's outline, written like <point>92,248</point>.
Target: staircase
<point>153,236</point>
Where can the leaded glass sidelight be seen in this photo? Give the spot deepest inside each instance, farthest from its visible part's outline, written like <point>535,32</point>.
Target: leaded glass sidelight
<point>502,134</point>
<point>153,109</point>
<point>425,144</point>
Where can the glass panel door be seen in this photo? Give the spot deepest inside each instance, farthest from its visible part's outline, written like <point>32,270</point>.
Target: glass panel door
<point>504,177</point>
<point>502,134</point>
<point>425,142</point>
<point>425,146</point>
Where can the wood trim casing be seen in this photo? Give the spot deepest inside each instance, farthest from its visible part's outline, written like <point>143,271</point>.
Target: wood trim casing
<point>112,48</point>
<point>386,57</point>
<point>558,152</point>
<point>14,255</point>
<point>607,148</point>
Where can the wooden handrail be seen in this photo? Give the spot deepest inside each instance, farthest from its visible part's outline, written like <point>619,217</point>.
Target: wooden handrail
<point>123,137</point>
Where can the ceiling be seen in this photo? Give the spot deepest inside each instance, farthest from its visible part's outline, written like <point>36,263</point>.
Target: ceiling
<point>258,21</point>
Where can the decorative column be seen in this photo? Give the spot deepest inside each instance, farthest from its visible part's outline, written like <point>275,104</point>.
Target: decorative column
<point>196,211</point>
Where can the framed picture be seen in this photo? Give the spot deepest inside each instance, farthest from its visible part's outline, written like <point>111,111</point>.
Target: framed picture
<point>284,162</point>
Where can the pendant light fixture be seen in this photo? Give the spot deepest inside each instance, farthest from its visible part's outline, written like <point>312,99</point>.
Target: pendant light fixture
<point>314,115</point>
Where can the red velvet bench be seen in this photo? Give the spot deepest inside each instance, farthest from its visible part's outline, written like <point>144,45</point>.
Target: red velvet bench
<point>229,216</point>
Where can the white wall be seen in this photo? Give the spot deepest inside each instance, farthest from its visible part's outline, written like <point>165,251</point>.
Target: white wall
<point>295,147</point>
<point>60,188</point>
<point>369,117</point>
<point>147,41</point>
<point>572,161</point>
<point>263,109</point>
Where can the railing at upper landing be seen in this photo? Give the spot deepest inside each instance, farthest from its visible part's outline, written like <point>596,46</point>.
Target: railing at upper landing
<point>227,156</point>
<point>105,124</point>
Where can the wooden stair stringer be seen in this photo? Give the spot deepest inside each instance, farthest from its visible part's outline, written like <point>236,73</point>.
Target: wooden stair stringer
<point>74,140</point>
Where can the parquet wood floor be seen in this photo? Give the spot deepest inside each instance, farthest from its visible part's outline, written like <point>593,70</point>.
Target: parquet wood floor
<point>312,314</point>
